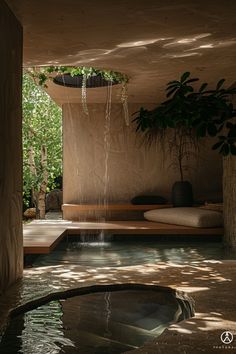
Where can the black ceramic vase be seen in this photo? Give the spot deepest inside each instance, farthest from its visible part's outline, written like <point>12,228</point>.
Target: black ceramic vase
<point>182,194</point>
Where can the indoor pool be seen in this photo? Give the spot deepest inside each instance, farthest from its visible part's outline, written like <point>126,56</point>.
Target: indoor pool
<point>132,252</point>
<point>106,322</point>
<point>98,323</point>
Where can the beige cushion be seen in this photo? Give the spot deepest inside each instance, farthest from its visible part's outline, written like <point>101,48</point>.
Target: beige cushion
<point>194,217</point>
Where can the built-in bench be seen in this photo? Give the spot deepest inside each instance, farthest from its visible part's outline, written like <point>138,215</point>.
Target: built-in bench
<point>43,236</point>
<point>77,212</point>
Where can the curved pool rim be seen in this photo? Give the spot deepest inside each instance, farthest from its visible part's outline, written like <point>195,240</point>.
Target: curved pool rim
<point>101,288</point>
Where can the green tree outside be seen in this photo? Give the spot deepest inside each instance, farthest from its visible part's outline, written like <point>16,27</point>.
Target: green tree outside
<point>42,143</point>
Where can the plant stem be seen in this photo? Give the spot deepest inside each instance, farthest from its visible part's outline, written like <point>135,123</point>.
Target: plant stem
<point>181,170</point>
<point>180,155</point>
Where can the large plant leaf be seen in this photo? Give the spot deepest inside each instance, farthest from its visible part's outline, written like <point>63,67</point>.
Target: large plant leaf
<point>172,86</point>
<point>202,87</point>
<point>217,145</point>
<point>212,129</point>
<point>225,149</point>
<point>219,84</point>
<point>189,88</point>
<point>184,76</point>
<point>171,92</point>
<point>173,82</point>
<point>205,112</point>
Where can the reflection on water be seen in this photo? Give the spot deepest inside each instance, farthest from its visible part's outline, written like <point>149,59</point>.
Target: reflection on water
<point>102,323</point>
<point>118,254</point>
<point>36,332</point>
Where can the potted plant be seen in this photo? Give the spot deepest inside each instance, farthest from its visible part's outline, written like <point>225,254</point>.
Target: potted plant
<point>187,115</point>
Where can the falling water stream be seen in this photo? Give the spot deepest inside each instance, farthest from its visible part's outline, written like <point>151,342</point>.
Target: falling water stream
<point>107,145</point>
<point>84,95</point>
<point>124,101</point>
<point>103,198</point>
<point>107,142</point>
<point>98,239</point>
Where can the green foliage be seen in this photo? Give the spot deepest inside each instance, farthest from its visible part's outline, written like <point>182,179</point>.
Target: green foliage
<point>41,125</point>
<point>43,74</point>
<point>200,113</point>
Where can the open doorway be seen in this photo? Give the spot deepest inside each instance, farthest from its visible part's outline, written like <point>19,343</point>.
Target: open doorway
<point>42,151</point>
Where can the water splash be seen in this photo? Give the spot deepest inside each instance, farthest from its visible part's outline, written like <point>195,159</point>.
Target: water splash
<point>91,240</point>
<point>107,142</point>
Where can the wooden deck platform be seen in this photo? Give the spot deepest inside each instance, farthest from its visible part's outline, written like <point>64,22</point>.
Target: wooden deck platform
<point>43,236</point>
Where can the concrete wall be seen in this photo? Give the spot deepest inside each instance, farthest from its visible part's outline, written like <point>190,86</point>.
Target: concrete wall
<point>131,169</point>
<point>11,256</point>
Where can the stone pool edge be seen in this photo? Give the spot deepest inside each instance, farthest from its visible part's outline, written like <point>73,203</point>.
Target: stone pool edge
<point>92,289</point>
<point>212,284</point>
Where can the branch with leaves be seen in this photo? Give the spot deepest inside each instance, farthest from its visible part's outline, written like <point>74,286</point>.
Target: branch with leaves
<point>191,113</point>
<point>42,144</point>
<point>42,75</point>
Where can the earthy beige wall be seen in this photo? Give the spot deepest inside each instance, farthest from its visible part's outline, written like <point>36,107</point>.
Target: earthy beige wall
<point>11,257</point>
<point>131,169</point>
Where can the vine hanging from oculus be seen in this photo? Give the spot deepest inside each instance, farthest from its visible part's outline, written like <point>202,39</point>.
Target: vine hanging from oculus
<point>86,76</point>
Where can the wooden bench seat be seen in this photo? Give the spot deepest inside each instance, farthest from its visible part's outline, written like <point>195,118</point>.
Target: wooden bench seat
<point>77,212</point>
<point>141,228</point>
<point>114,207</point>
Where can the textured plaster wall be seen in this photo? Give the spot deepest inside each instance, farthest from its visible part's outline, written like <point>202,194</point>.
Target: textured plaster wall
<point>11,257</point>
<point>131,169</point>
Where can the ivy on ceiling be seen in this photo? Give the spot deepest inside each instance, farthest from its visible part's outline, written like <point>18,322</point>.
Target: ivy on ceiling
<point>42,74</point>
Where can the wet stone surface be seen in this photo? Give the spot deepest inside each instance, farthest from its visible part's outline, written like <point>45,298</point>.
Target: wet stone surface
<point>209,278</point>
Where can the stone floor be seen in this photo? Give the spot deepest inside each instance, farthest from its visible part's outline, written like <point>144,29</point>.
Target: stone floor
<point>210,283</point>
<point>53,215</point>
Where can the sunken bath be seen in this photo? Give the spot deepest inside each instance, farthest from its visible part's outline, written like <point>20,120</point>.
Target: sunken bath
<point>93,321</point>
<point>103,319</point>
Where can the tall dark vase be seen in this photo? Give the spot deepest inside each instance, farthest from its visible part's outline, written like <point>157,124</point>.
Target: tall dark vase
<point>182,194</point>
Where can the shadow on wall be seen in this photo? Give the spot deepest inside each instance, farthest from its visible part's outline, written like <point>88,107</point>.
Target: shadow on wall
<point>109,164</point>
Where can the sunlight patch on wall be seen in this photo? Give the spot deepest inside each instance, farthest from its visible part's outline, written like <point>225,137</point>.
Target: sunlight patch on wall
<point>187,40</point>
<point>182,55</point>
<point>142,42</point>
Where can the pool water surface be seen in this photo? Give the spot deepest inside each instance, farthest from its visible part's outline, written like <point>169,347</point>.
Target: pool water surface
<point>130,253</point>
<point>101,323</point>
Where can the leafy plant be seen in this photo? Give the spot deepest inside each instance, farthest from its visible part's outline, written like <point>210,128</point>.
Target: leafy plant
<point>43,74</point>
<point>189,114</point>
<point>42,143</point>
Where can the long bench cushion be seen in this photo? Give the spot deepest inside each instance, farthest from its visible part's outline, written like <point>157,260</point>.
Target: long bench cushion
<point>194,217</point>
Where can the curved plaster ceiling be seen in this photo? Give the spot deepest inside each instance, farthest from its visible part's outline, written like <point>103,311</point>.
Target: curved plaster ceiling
<point>152,41</point>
